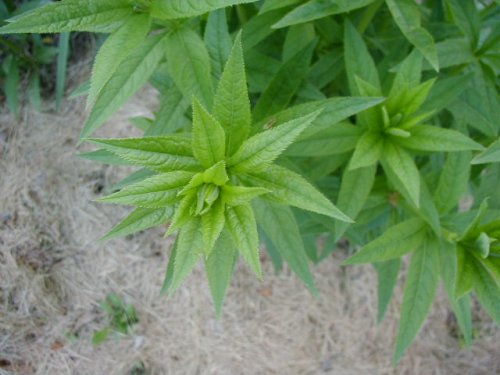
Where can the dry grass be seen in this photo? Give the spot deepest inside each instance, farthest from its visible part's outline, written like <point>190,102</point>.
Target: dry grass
<point>54,274</point>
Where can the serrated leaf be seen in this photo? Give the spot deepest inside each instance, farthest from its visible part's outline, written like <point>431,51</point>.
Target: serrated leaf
<point>355,189</point>
<point>433,138</point>
<point>209,139</point>
<point>220,266</point>
<point>368,151</point>
<point>231,103</point>
<point>71,15</point>
<point>241,195</point>
<point>218,41</point>
<point>387,273</point>
<point>140,219</point>
<point>396,241</point>
<point>399,165</point>
<point>243,228</point>
<point>189,64</point>
<point>189,247</point>
<point>289,188</point>
<point>170,9</point>
<point>490,155</point>
<point>103,156</point>
<point>406,13</point>
<point>182,214</point>
<point>420,288</point>
<point>129,77</point>
<point>162,154</point>
<point>316,9</point>
<point>453,181</point>
<point>115,49</point>
<point>258,152</point>
<point>284,84</point>
<point>272,218</point>
<point>212,224</point>
<point>154,192</point>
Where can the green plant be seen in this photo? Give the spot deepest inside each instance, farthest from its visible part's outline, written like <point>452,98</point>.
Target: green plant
<point>388,108</point>
<point>30,57</point>
<point>122,318</point>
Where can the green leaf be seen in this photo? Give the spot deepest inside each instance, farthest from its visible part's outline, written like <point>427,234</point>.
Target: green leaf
<point>11,86</point>
<point>212,224</point>
<point>420,288</point>
<point>396,241</point>
<point>129,77</point>
<point>453,181</point>
<point>209,139</point>
<point>487,290</point>
<point>62,67</point>
<point>170,116</point>
<point>466,18</point>
<point>272,218</point>
<point>100,336</point>
<point>216,175</point>
<point>465,273</point>
<point>315,9</point>
<point>490,155</point>
<point>444,92</point>
<point>368,151</point>
<point>258,152</point>
<point>231,104</point>
<point>115,50</point>
<point>399,166</point>
<point>387,272</point>
<point>154,192</point>
<point>406,13</point>
<point>243,228</point>
<point>140,219</point>
<point>71,15</point>
<point>241,195</point>
<point>288,187</point>
<point>169,9</point>
<point>284,84</point>
<point>218,41</point>
<point>162,154</point>
<point>220,266</point>
<point>189,247</point>
<point>433,138</point>
<point>183,213</point>
<point>354,191</point>
<point>189,64</point>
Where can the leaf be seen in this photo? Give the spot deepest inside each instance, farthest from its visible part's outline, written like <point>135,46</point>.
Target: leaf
<point>212,224</point>
<point>466,18</point>
<point>355,189</point>
<point>272,218</point>
<point>243,229</point>
<point>284,84</point>
<point>399,165</point>
<point>129,77</point>
<point>490,155</point>
<point>140,219</point>
<point>406,13</point>
<point>289,188</point>
<point>368,151</point>
<point>231,104</point>
<point>189,64</point>
<point>316,9</point>
<point>189,247</point>
<point>487,290</point>
<point>387,272</point>
<point>465,273</point>
<point>170,116</point>
<point>154,192</point>
<point>100,336</point>
<point>420,288</point>
<point>115,50</point>
<point>241,195</point>
<point>433,138</point>
<point>11,86</point>
<point>453,181</point>
<point>62,67</point>
<point>218,41</point>
<point>209,140</point>
<point>71,15</point>
<point>169,9</point>
<point>262,149</point>
<point>162,154</point>
<point>220,266</point>
<point>444,92</point>
<point>396,241</point>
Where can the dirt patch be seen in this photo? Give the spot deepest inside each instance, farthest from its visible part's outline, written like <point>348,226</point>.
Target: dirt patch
<point>54,274</point>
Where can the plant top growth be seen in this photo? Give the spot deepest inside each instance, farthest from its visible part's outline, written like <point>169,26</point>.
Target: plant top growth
<point>289,121</point>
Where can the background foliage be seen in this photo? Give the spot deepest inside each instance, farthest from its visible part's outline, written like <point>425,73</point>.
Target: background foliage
<point>392,107</point>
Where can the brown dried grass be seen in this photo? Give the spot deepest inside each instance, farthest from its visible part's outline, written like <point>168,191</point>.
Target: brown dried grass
<point>54,274</point>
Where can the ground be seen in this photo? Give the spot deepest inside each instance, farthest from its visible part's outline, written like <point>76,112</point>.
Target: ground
<point>55,273</point>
